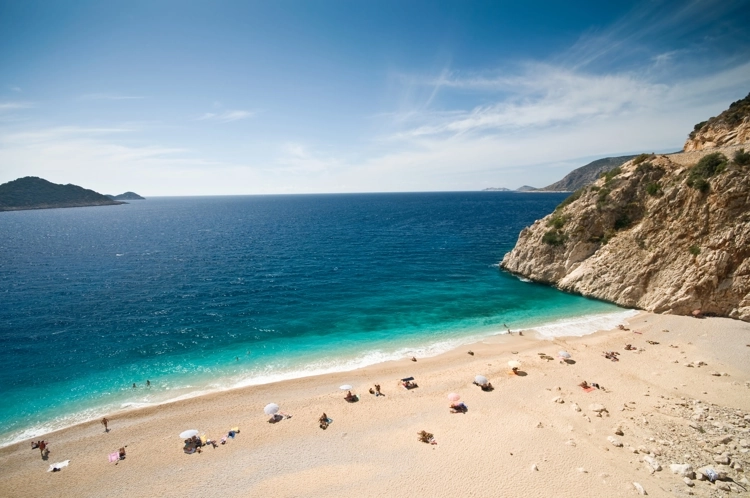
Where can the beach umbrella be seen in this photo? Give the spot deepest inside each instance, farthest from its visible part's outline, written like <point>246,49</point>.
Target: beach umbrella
<point>514,364</point>
<point>564,355</point>
<point>188,434</point>
<point>453,397</point>
<point>271,409</point>
<point>346,387</point>
<point>480,379</point>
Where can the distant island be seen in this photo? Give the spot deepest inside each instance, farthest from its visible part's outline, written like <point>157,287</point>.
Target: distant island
<point>32,192</point>
<point>127,196</point>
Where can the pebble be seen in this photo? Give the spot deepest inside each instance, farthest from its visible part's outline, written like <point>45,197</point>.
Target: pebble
<point>723,458</point>
<point>715,374</point>
<point>651,462</point>
<point>558,399</point>
<point>534,467</point>
<point>570,442</point>
<point>639,488</point>
<point>615,442</point>
<point>618,431</point>
<point>688,481</point>
<point>582,470</point>
<point>683,470</point>
<point>575,407</point>
<point>723,486</point>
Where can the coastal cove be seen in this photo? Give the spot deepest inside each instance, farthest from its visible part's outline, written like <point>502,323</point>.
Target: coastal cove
<point>205,294</point>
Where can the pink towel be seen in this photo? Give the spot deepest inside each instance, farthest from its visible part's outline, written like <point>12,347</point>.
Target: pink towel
<point>589,389</point>
<point>113,457</point>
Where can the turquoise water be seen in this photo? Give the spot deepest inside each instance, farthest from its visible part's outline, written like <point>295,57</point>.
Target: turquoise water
<point>201,294</point>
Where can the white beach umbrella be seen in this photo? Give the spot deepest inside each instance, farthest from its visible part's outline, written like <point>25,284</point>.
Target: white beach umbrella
<point>346,387</point>
<point>480,379</point>
<point>564,355</point>
<point>453,397</point>
<point>514,364</point>
<point>271,409</point>
<point>188,434</point>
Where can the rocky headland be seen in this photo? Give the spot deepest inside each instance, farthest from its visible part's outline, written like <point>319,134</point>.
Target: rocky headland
<point>37,193</point>
<point>664,233</point>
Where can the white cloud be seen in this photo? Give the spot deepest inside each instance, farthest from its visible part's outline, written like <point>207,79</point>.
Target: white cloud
<point>226,116</point>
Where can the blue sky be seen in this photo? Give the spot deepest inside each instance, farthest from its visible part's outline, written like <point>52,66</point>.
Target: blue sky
<point>230,97</point>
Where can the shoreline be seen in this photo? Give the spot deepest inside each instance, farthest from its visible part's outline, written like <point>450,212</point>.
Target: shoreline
<point>518,426</point>
<point>442,346</point>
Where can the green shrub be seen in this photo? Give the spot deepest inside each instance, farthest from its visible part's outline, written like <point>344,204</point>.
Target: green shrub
<point>554,238</point>
<point>609,175</point>
<point>642,157</point>
<point>694,250</point>
<point>622,222</point>
<point>572,197</point>
<point>708,166</point>
<point>654,189</point>
<point>699,183</point>
<point>602,197</point>
<point>741,157</point>
<point>557,221</point>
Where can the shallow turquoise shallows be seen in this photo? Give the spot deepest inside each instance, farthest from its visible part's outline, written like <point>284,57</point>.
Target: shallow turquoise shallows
<point>206,293</point>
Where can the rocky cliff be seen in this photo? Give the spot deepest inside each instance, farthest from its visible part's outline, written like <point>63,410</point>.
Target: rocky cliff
<point>654,234</point>
<point>731,127</point>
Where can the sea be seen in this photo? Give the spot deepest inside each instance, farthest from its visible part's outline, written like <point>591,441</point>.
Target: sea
<point>202,294</point>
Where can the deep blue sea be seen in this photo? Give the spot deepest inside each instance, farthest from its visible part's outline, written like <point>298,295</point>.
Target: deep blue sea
<point>206,293</point>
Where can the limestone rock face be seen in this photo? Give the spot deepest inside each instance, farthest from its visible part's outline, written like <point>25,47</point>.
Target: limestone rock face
<point>645,239</point>
<point>731,127</point>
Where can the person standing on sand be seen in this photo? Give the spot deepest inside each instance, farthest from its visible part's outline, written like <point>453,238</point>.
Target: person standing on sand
<point>43,446</point>
<point>104,423</point>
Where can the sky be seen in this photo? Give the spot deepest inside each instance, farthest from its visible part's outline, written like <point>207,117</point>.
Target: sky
<point>169,98</point>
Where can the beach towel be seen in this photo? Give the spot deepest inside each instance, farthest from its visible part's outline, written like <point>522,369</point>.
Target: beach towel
<point>589,389</point>
<point>56,467</point>
<point>236,429</point>
<point>114,456</point>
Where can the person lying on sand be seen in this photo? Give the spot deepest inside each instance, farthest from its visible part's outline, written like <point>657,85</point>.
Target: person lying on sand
<point>372,391</point>
<point>611,355</point>
<point>622,327</point>
<point>653,343</point>
<point>629,347</point>
<point>426,437</point>
<point>470,352</point>
<point>407,384</point>
<point>324,421</point>
<point>459,407</point>
<point>413,358</point>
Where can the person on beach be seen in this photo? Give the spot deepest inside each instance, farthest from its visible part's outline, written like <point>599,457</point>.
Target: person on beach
<point>514,370</point>
<point>323,421</point>
<point>104,423</point>
<point>43,448</point>
<point>148,383</point>
<point>413,358</point>
<point>377,390</point>
<point>133,385</point>
<point>121,452</point>
<point>350,397</point>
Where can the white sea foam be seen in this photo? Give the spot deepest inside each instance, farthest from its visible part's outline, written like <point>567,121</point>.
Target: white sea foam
<point>582,325</point>
<point>568,327</point>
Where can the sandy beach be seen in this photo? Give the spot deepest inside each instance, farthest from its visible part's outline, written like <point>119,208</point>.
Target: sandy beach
<point>535,434</point>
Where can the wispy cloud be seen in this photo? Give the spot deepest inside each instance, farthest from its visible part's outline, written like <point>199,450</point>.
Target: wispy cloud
<point>226,116</point>
<point>10,106</point>
<point>16,89</point>
<point>110,96</point>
